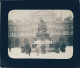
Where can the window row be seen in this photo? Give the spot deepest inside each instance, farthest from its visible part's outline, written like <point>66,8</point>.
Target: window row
<point>65,32</point>
<point>34,33</point>
<point>21,34</point>
<point>25,28</point>
<point>66,26</point>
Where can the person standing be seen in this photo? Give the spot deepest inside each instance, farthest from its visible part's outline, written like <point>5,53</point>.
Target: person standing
<point>37,49</point>
<point>62,44</point>
<point>43,49</point>
<point>9,48</point>
<point>9,45</point>
<point>56,46</point>
<point>28,49</point>
<point>62,47</point>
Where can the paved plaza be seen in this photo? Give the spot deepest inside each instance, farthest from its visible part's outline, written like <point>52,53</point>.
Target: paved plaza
<point>16,53</point>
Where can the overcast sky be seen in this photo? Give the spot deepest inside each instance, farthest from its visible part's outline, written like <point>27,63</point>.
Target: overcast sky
<point>21,14</point>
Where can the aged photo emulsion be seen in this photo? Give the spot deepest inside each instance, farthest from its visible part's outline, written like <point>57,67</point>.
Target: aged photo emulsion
<point>41,34</point>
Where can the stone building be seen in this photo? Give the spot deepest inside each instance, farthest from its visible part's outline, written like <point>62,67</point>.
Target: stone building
<point>19,31</point>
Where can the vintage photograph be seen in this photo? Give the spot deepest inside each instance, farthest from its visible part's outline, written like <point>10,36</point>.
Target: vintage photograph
<point>40,34</point>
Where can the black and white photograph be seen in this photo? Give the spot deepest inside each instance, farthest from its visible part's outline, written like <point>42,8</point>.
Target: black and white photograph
<point>40,34</point>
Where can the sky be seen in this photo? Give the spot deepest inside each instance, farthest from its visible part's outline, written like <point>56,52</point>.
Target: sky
<point>24,14</point>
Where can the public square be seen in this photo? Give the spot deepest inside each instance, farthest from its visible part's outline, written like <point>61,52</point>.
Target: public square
<point>51,29</point>
<point>16,54</point>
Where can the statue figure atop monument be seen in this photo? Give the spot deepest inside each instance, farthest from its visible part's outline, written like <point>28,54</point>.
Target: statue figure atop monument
<point>42,26</point>
<point>42,29</point>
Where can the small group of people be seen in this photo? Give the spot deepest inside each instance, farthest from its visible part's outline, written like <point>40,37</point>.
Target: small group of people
<point>57,48</point>
<point>60,47</point>
<point>27,49</point>
<point>42,47</point>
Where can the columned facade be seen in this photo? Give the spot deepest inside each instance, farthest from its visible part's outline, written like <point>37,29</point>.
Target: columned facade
<point>19,31</point>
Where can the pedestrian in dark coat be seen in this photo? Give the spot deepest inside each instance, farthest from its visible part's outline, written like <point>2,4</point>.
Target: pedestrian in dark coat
<point>28,49</point>
<point>37,49</point>
<point>9,48</point>
<point>43,49</point>
<point>62,47</point>
<point>22,49</point>
<point>9,45</point>
<point>56,46</point>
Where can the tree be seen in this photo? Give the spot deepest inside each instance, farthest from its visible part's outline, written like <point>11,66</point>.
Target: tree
<point>26,41</point>
<point>70,40</point>
<point>61,39</point>
<point>17,42</point>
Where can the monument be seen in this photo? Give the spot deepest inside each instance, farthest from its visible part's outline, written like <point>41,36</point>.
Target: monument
<point>43,35</point>
<point>42,31</point>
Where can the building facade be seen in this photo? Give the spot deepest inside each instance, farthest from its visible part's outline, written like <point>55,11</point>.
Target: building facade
<point>19,31</point>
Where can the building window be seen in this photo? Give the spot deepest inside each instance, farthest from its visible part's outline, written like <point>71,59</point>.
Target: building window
<point>67,32</point>
<point>71,32</point>
<point>11,28</point>
<point>68,26</point>
<point>63,32</point>
<point>58,32</point>
<point>12,35</point>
